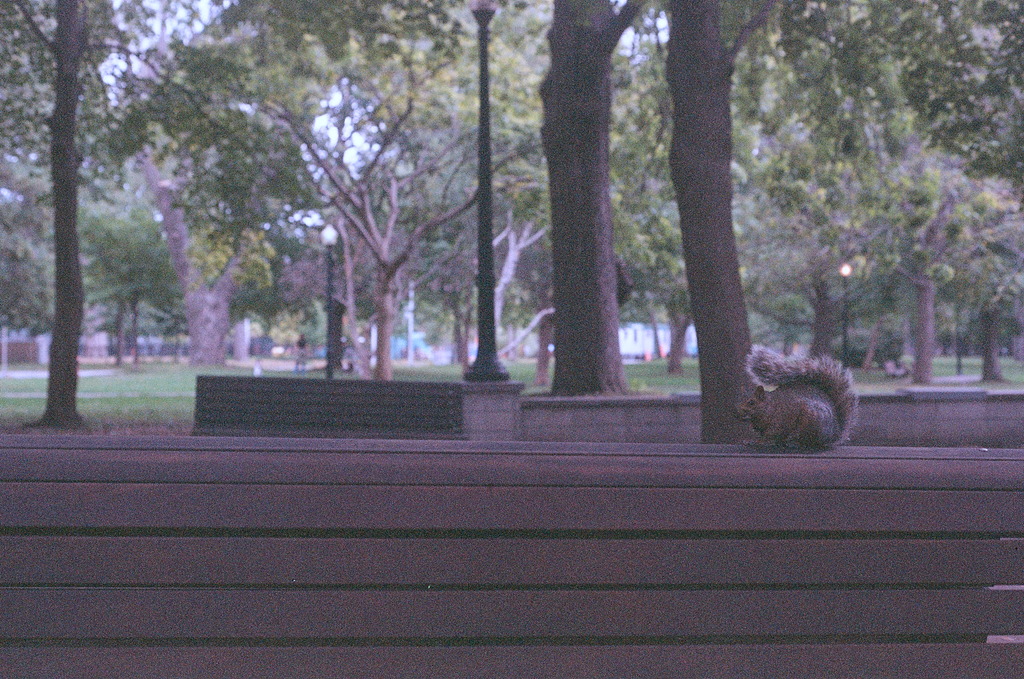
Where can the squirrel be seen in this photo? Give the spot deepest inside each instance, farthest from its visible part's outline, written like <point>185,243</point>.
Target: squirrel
<point>813,405</point>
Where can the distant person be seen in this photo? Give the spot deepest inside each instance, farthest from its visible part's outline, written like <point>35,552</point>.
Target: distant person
<point>300,355</point>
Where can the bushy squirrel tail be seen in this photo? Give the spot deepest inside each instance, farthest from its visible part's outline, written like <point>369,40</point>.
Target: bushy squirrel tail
<point>771,369</point>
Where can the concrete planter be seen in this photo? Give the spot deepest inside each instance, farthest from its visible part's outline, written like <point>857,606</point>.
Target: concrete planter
<point>911,417</point>
<point>288,406</point>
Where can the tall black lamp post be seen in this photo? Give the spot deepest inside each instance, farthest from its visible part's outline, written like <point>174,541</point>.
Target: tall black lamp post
<point>846,270</point>
<point>487,367</point>
<point>329,236</point>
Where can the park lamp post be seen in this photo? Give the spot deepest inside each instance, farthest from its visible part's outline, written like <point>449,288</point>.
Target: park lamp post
<point>846,270</point>
<point>486,367</point>
<point>329,236</point>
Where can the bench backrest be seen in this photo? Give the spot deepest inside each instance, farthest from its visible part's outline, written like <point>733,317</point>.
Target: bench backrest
<point>456,559</point>
<point>345,407</point>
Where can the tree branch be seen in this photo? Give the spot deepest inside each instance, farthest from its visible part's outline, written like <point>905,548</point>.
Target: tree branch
<point>527,330</point>
<point>33,26</point>
<point>759,20</point>
<point>621,21</point>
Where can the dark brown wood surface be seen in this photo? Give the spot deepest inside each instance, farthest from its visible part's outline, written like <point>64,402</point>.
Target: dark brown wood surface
<point>445,615</point>
<point>293,557</point>
<point>505,508</point>
<point>467,465</point>
<point>508,562</point>
<point>525,448</point>
<point>691,661</point>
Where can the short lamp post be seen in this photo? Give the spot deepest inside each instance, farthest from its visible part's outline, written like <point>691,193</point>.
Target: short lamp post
<point>329,236</point>
<point>486,367</point>
<point>846,270</point>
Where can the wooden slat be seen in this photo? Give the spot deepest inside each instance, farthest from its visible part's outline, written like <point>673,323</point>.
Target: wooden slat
<point>526,448</point>
<point>336,615</point>
<point>792,661</point>
<point>257,506</point>
<point>225,382</point>
<point>299,562</point>
<point>289,404</point>
<point>330,406</point>
<point>493,469</point>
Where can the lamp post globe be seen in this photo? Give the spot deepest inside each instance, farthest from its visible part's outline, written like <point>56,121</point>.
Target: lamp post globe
<point>486,367</point>
<point>329,238</point>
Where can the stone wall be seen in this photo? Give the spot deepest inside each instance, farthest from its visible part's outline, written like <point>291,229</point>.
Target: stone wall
<point>910,417</point>
<point>632,419</point>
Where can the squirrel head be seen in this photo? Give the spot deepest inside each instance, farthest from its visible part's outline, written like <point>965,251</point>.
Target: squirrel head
<point>746,410</point>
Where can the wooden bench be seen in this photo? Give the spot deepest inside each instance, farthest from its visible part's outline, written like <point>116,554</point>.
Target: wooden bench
<point>288,406</point>
<point>230,557</point>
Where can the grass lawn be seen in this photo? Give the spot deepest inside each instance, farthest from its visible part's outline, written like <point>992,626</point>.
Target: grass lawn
<point>160,397</point>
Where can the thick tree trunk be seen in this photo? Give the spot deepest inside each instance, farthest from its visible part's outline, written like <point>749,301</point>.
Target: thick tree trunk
<point>699,76</point>
<point>824,324</point>
<point>207,307</point>
<point>678,323</point>
<point>989,321</point>
<point>209,321</point>
<point>385,297</point>
<point>62,386</point>
<point>576,95</point>
<point>924,339</point>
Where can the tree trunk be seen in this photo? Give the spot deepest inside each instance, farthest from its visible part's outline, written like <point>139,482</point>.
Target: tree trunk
<point>207,312</point>
<point>824,325</point>
<point>545,336</point>
<point>207,307</point>
<point>135,332</point>
<point>989,321</point>
<point>385,297</point>
<point>459,338</point>
<point>658,353</point>
<point>924,340</point>
<point>62,386</point>
<point>699,77</point>
<point>576,95</point>
<point>869,355</point>
<point>119,335</point>
<point>360,350</point>
<point>678,323</point>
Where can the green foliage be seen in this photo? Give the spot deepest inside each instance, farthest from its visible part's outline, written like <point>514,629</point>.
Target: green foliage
<point>27,71</point>
<point>26,259</point>
<point>963,74</point>
<point>647,234</point>
<point>26,74</point>
<point>334,24</point>
<point>888,347</point>
<point>127,262</point>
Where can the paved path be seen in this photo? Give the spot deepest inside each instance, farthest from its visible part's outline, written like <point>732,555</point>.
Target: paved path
<point>102,394</point>
<point>43,374</point>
